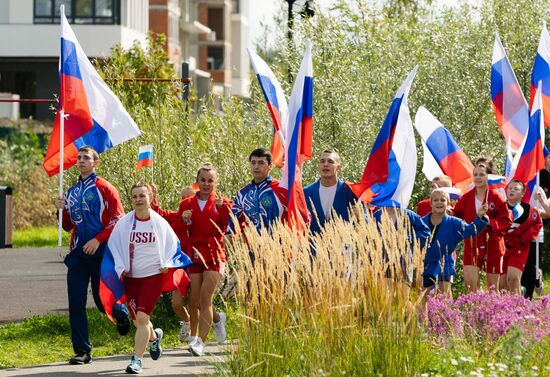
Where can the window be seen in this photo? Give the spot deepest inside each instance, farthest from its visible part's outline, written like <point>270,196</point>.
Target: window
<point>78,11</point>
<point>215,58</point>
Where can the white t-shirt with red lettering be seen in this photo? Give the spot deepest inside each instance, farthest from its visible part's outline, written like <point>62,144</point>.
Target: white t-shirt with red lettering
<point>144,250</point>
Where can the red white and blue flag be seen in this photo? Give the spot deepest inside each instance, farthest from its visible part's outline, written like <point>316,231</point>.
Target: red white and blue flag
<point>541,72</point>
<point>118,259</point>
<point>298,140</point>
<point>509,104</point>
<point>145,157</point>
<point>508,160</point>
<point>276,103</point>
<point>442,155</point>
<point>389,174</point>
<point>530,158</point>
<point>495,181</point>
<point>94,116</point>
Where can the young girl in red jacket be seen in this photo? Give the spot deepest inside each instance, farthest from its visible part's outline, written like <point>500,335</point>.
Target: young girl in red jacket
<point>487,249</point>
<point>206,216</point>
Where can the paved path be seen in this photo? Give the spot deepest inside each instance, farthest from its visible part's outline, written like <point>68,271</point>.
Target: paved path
<point>33,282</point>
<point>174,362</point>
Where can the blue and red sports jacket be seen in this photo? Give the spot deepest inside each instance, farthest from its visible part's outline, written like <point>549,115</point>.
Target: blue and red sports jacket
<point>261,203</point>
<point>92,208</point>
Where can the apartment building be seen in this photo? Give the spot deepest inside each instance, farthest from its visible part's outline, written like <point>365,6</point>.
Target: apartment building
<point>29,41</point>
<point>211,35</point>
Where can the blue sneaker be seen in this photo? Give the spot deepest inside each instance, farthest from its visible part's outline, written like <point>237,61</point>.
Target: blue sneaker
<point>120,314</point>
<point>135,365</point>
<point>155,350</point>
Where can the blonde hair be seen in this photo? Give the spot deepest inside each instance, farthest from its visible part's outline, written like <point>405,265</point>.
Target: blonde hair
<point>441,192</point>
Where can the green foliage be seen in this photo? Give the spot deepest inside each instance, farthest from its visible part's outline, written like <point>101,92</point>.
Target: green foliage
<point>21,169</point>
<point>362,53</point>
<point>45,236</point>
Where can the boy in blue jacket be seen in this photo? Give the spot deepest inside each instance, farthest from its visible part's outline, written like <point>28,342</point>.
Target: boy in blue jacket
<point>446,233</point>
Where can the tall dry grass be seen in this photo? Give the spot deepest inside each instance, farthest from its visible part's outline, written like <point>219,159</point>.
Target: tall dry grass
<point>332,314</point>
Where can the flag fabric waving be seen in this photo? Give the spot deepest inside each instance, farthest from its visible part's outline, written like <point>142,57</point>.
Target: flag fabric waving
<point>530,158</point>
<point>509,104</point>
<point>93,114</point>
<point>541,72</point>
<point>298,140</point>
<point>389,174</point>
<point>276,103</point>
<point>442,155</point>
<point>145,156</point>
<point>509,158</point>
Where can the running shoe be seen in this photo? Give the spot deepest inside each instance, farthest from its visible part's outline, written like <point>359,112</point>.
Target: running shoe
<point>185,330</point>
<point>135,365</point>
<point>197,348</point>
<point>219,328</point>
<point>80,358</point>
<point>155,350</point>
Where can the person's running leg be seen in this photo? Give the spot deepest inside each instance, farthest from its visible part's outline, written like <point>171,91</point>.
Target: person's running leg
<point>210,281</point>
<point>194,302</point>
<point>471,278</point>
<point>95,269</point>
<point>77,289</point>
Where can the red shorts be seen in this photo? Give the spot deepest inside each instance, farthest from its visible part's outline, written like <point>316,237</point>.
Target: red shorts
<point>475,257</point>
<point>142,293</point>
<point>492,261</point>
<point>199,267</point>
<point>515,258</point>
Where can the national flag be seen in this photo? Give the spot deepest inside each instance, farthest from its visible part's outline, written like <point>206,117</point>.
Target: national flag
<point>509,158</point>
<point>530,158</point>
<point>389,174</point>
<point>116,260</point>
<point>454,192</point>
<point>541,72</point>
<point>495,181</point>
<point>442,155</point>
<point>509,104</point>
<point>94,116</point>
<point>276,103</point>
<point>298,140</point>
<point>145,156</point>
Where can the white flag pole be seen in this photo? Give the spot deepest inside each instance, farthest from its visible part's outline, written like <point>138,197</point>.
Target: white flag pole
<point>537,240</point>
<point>61,132</point>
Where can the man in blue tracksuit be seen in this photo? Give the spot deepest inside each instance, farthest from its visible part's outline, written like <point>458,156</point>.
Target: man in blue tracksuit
<point>329,196</point>
<point>90,210</point>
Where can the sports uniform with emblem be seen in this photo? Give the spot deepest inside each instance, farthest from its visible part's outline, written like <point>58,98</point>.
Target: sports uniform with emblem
<point>90,210</point>
<point>524,230</point>
<point>262,201</point>
<point>487,249</point>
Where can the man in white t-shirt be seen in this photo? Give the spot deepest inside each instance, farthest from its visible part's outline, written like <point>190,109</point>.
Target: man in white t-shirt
<point>328,196</point>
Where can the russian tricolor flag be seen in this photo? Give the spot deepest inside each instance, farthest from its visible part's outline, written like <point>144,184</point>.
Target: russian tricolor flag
<point>276,103</point>
<point>509,104</point>
<point>495,181</point>
<point>389,174</point>
<point>541,72</point>
<point>298,140</point>
<point>530,158</point>
<point>145,156</point>
<point>94,116</point>
<point>442,155</point>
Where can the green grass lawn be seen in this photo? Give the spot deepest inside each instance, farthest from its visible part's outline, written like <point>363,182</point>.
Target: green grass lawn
<point>39,237</point>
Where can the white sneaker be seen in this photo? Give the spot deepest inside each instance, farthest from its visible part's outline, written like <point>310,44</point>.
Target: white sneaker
<point>197,348</point>
<point>219,328</point>
<point>185,330</point>
<point>191,340</point>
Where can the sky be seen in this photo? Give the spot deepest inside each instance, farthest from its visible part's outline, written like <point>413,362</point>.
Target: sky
<point>264,10</point>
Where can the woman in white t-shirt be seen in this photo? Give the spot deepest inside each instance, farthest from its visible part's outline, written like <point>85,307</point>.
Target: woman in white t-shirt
<point>147,255</point>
